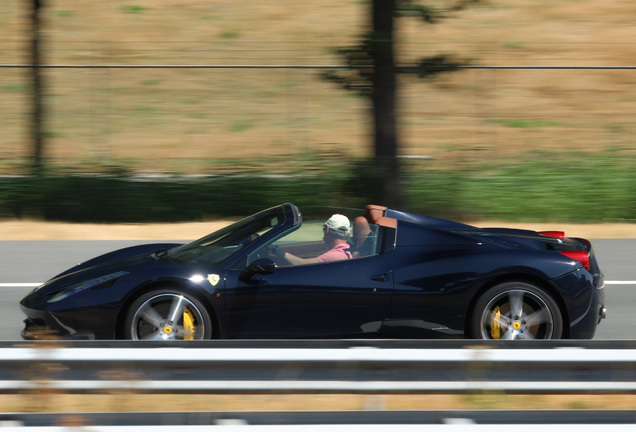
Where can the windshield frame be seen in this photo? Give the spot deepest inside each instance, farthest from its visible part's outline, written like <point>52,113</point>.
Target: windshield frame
<point>222,245</point>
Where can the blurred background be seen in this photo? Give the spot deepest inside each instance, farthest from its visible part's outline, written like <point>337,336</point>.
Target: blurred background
<point>196,109</point>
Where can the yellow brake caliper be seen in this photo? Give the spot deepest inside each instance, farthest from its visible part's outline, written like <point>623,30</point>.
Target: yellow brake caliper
<point>495,327</point>
<point>188,324</point>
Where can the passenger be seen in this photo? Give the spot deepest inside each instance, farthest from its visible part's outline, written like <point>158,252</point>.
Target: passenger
<point>363,237</point>
<point>336,232</point>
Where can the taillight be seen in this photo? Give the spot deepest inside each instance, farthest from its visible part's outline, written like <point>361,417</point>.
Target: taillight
<point>555,234</point>
<point>581,256</point>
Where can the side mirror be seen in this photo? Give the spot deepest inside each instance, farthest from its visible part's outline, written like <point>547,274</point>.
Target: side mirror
<point>262,266</point>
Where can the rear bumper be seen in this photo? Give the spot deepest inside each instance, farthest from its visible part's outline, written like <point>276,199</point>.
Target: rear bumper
<point>585,326</point>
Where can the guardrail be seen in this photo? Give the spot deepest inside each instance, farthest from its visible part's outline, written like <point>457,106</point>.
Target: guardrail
<point>363,367</point>
<point>359,367</point>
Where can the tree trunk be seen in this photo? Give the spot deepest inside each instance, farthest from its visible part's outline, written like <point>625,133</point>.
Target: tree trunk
<point>36,80</point>
<point>384,104</point>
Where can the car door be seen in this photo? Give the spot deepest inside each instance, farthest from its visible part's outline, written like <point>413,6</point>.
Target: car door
<point>346,298</point>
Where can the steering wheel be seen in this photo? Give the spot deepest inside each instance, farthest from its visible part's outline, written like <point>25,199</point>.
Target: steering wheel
<point>273,253</point>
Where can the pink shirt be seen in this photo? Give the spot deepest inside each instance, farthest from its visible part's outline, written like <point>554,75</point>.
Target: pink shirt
<point>339,252</point>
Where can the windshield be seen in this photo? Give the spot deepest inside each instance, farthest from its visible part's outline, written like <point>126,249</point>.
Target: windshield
<point>221,245</point>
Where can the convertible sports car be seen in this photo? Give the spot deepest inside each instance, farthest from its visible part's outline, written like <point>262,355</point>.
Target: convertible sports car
<point>409,276</point>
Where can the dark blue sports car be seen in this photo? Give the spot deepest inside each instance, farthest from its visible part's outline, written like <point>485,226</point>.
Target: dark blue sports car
<point>385,274</point>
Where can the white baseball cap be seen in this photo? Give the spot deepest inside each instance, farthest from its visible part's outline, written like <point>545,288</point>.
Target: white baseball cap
<point>339,225</point>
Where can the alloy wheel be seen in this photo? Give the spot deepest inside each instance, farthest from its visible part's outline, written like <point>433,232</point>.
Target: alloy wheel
<point>519,313</point>
<point>169,316</point>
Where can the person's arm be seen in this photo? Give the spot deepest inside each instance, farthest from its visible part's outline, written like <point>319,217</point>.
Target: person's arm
<point>293,259</point>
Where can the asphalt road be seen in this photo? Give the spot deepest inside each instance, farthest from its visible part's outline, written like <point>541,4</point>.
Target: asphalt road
<point>25,263</point>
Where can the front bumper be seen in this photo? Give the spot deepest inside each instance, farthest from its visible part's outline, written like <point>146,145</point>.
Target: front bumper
<point>72,324</point>
<point>41,331</point>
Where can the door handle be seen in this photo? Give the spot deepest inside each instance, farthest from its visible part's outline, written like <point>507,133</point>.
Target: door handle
<point>380,278</point>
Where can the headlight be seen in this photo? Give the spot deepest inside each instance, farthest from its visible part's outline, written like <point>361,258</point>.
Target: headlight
<point>85,285</point>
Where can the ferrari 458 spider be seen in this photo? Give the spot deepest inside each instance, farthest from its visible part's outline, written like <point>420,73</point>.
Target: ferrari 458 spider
<point>406,275</point>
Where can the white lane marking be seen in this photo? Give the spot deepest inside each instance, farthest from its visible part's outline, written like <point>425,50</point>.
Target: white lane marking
<point>36,284</point>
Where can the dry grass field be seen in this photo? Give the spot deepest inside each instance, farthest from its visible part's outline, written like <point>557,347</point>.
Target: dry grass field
<point>212,120</point>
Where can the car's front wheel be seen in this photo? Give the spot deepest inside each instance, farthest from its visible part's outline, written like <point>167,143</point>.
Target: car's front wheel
<point>516,310</point>
<point>167,314</point>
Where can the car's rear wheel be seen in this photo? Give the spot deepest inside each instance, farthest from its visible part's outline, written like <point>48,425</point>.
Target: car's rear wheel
<point>516,310</point>
<point>167,314</point>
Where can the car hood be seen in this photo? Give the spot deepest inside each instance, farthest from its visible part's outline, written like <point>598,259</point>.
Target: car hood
<point>109,266</point>
<point>120,255</point>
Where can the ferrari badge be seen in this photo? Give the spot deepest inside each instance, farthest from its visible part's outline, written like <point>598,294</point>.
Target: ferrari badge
<point>213,279</point>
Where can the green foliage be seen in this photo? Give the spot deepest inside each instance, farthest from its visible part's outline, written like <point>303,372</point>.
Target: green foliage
<point>513,45</point>
<point>407,8</point>
<point>120,197</point>
<point>133,9</point>
<point>358,76</point>
<point>358,58</point>
<point>542,187</point>
<point>518,123</point>
<point>562,188</point>
<point>147,110</point>
<point>430,14</point>
<point>241,126</point>
<point>365,178</point>
<point>14,88</point>
<point>435,65</point>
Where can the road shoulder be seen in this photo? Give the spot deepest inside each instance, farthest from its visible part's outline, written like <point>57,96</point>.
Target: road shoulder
<point>19,230</point>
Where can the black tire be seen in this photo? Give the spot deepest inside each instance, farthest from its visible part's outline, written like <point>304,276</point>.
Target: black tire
<point>167,314</point>
<point>516,310</point>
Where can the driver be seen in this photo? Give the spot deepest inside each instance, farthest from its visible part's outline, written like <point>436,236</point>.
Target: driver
<point>336,231</point>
